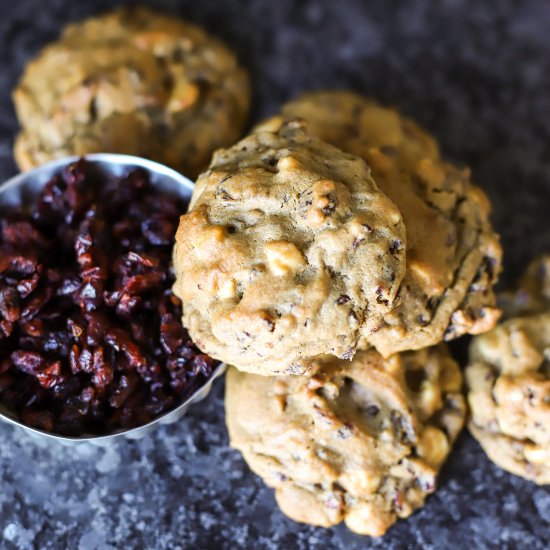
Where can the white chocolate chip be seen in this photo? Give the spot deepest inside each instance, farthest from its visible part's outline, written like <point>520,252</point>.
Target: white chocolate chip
<point>288,163</point>
<point>430,397</point>
<point>361,479</point>
<point>283,258</point>
<point>536,455</point>
<point>433,446</point>
<point>227,289</point>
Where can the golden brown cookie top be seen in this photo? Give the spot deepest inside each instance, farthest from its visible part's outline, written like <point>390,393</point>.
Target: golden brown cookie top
<point>360,442</point>
<point>131,81</point>
<point>358,125</point>
<point>453,254</point>
<point>289,250</point>
<point>508,380</point>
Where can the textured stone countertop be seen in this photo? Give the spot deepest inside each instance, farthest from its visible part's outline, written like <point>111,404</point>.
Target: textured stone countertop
<point>476,73</point>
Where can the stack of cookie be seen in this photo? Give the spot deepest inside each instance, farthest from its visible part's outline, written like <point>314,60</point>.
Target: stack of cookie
<point>326,257</point>
<point>322,256</point>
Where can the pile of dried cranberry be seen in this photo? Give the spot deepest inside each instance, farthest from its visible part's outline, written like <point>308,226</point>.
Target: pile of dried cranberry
<point>90,333</point>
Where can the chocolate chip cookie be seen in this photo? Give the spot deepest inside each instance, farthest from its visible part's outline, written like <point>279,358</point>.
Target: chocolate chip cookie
<point>361,442</point>
<point>131,81</point>
<point>508,381</point>
<point>453,254</point>
<point>289,250</point>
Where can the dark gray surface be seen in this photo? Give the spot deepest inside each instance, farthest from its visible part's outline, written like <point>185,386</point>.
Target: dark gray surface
<point>475,73</point>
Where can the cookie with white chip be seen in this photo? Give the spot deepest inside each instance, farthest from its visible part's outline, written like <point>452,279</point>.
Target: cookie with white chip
<point>289,250</point>
<point>361,443</point>
<point>131,81</point>
<point>453,253</point>
<point>508,382</point>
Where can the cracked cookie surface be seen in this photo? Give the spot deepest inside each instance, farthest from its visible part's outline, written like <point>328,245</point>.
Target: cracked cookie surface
<point>361,442</point>
<point>453,254</point>
<point>289,250</point>
<point>131,81</point>
<point>508,381</point>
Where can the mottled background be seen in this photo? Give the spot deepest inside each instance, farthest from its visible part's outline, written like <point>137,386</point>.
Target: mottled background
<point>477,74</point>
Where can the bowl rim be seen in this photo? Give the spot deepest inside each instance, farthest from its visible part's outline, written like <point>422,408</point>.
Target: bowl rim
<point>105,158</point>
<point>122,160</point>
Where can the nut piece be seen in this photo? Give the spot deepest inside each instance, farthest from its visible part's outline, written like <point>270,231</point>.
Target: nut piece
<point>316,251</point>
<point>356,441</point>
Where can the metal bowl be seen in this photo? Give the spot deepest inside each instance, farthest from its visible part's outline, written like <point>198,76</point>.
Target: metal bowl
<point>23,190</point>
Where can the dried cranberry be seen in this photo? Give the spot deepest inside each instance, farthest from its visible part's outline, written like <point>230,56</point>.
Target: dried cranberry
<point>6,329</point>
<point>33,328</point>
<point>121,341</point>
<point>127,305</point>
<point>28,362</point>
<point>90,331</point>
<point>9,304</point>
<point>120,393</point>
<point>27,286</point>
<point>172,333</point>
<point>98,323</point>
<point>69,286</point>
<point>35,303</point>
<point>158,231</point>
<point>50,376</point>
<point>17,264</point>
<point>43,420</point>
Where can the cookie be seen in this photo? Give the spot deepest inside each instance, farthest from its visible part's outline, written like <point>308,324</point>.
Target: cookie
<point>508,382</point>
<point>131,81</point>
<point>359,442</point>
<point>532,293</point>
<point>453,254</point>
<point>289,251</point>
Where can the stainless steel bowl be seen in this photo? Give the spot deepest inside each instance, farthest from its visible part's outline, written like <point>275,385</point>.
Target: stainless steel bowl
<point>23,190</point>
